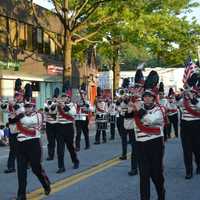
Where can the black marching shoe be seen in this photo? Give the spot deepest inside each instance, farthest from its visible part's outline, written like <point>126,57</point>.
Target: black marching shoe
<point>198,170</point>
<point>77,149</point>
<point>47,190</point>
<point>7,171</point>
<point>49,158</point>
<point>76,165</point>
<point>96,142</point>
<point>60,170</point>
<point>162,196</point>
<point>87,147</point>
<point>123,158</point>
<point>104,141</point>
<point>188,176</point>
<point>21,197</point>
<point>133,172</point>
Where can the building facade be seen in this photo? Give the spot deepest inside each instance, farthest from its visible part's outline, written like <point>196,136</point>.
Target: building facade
<point>29,52</point>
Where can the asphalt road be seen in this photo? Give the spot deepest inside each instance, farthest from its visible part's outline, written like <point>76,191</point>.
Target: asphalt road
<point>102,176</point>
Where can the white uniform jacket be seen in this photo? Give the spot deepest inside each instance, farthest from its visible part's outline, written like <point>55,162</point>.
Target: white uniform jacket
<point>151,125</point>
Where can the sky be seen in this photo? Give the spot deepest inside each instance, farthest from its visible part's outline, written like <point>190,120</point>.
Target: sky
<point>195,12</point>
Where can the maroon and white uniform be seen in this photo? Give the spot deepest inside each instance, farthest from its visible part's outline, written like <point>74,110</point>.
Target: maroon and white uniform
<point>172,108</point>
<point>101,114</point>
<point>29,151</point>
<point>190,138</point>
<point>151,125</point>
<point>29,127</point>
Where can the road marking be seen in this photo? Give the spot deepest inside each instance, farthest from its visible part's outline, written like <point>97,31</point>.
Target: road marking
<point>69,181</point>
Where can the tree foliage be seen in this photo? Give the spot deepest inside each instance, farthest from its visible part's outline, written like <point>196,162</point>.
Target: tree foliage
<point>157,32</point>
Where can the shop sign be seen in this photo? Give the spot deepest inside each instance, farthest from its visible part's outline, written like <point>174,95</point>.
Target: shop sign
<point>54,70</point>
<point>10,65</point>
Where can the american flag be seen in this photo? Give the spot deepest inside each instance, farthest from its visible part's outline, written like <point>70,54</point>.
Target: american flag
<point>190,68</point>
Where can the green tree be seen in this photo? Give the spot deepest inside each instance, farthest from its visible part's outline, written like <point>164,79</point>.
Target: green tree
<point>154,30</point>
<point>81,21</point>
<point>166,35</point>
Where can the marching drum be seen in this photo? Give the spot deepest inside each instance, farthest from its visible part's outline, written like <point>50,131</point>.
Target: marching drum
<point>112,119</point>
<point>101,121</point>
<point>101,117</point>
<point>101,125</point>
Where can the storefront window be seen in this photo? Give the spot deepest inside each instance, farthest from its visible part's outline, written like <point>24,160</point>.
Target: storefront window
<point>3,30</point>
<point>7,87</point>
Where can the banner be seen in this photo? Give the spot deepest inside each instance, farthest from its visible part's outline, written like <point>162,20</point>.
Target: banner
<point>54,70</point>
<point>10,65</point>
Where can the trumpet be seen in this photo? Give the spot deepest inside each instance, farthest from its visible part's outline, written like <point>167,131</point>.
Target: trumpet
<point>51,106</point>
<point>122,92</point>
<point>4,104</point>
<point>10,106</point>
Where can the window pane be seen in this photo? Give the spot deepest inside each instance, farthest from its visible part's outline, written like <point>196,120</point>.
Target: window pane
<point>3,30</point>
<point>22,35</point>
<point>46,44</point>
<point>58,49</point>
<point>39,40</point>
<point>34,38</point>
<point>53,47</point>
<point>29,37</point>
<point>12,32</point>
<point>39,35</point>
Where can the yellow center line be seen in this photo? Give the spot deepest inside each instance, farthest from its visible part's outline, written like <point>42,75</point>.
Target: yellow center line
<point>69,181</point>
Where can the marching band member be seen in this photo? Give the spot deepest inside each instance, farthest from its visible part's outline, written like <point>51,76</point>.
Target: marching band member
<point>190,123</point>
<point>82,120</point>
<point>50,111</point>
<point>124,135</point>
<point>129,130</point>
<point>66,113</point>
<point>136,93</point>
<point>112,110</point>
<point>11,107</point>
<point>119,118</point>
<point>149,124</point>
<point>101,119</point>
<point>164,103</point>
<point>29,147</point>
<point>172,112</point>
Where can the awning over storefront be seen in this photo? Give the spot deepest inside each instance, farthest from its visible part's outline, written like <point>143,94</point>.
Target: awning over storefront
<point>13,75</point>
